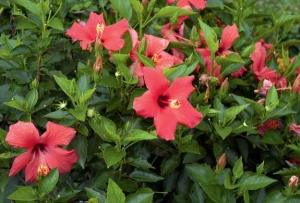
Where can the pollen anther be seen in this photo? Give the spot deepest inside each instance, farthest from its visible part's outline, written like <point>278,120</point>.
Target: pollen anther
<point>175,104</point>
<point>43,170</point>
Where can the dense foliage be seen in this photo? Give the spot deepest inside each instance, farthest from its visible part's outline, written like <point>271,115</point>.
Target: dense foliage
<point>149,101</point>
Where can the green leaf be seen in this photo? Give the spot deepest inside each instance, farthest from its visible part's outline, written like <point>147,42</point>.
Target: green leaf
<point>139,162</point>
<point>251,181</point>
<point>232,112</point>
<point>68,86</point>
<point>210,38</point>
<point>190,147</point>
<point>272,137</point>
<point>223,132</point>
<point>110,81</point>
<point>86,96</point>
<point>65,195</point>
<point>271,99</point>
<point>139,135</point>
<point>144,176</point>
<point>207,179</point>
<point>32,98</point>
<point>168,12</point>
<point>238,168</point>
<point>260,168</point>
<point>144,195</point>
<point>79,113</point>
<point>47,184</point>
<point>92,194</point>
<point>20,105</point>
<point>123,7</point>
<point>169,164</point>
<point>112,155</point>
<point>20,50</point>
<point>56,24</point>
<point>146,61</point>
<point>138,8</point>
<point>232,58</point>
<point>114,193</point>
<point>31,6</point>
<point>80,145</point>
<point>215,4</point>
<point>59,114</point>
<point>24,194</point>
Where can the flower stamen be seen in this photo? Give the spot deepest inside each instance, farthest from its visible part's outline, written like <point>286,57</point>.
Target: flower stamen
<point>175,103</point>
<point>156,58</point>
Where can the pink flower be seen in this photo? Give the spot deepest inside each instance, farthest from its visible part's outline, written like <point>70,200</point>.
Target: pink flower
<point>295,128</point>
<point>199,4</point>
<point>229,35</point>
<point>168,105</point>
<point>264,89</point>
<point>96,30</point>
<point>43,152</point>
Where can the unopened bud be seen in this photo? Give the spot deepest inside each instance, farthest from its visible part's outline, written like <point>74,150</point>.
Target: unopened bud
<point>296,85</point>
<point>293,182</point>
<point>223,89</point>
<point>98,64</point>
<point>203,79</point>
<point>145,2</point>
<point>222,161</point>
<point>91,113</point>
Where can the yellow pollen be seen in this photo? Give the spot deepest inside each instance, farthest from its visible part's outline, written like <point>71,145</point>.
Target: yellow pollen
<point>100,28</point>
<point>156,58</point>
<point>225,54</point>
<point>175,104</point>
<point>43,170</point>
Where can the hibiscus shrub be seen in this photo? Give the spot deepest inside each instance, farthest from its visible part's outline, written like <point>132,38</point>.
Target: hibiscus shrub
<point>148,101</point>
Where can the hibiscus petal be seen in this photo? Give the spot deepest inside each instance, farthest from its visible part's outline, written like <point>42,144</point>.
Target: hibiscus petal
<point>31,170</point>
<point>20,162</point>
<point>258,57</point>
<point>155,81</point>
<point>199,4</point>
<point>165,124</point>
<point>115,30</point>
<point>113,43</point>
<point>181,88</point>
<point>167,60</point>
<point>56,135</point>
<point>93,21</point>
<point>229,34</point>
<point>22,135</point>
<point>146,105</point>
<point>155,45</point>
<point>187,115</point>
<point>60,158</point>
<point>80,32</point>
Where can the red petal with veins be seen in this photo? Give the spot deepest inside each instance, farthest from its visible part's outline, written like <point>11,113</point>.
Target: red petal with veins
<point>155,45</point>
<point>155,81</point>
<point>199,4</point>
<point>22,135</point>
<point>20,162</point>
<point>31,170</point>
<point>229,34</point>
<point>187,115</point>
<point>93,21</point>
<point>60,158</point>
<point>181,88</point>
<point>165,124</point>
<point>57,135</point>
<point>146,105</point>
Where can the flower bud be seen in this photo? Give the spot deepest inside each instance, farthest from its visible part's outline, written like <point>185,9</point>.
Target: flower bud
<point>222,161</point>
<point>91,113</point>
<point>293,182</point>
<point>98,64</point>
<point>223,89</point>
<point>296,85</point>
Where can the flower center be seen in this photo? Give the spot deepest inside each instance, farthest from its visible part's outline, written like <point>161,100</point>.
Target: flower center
<point>175,104</point>
<point>164,101</point>
<point>100,28</point>
<point>156,58</point>
<point>43,170</point>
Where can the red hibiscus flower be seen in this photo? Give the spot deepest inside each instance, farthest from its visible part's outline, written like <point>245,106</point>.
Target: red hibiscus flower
<point>229,35</point>
<point>155,51</point>
<point>43,152</point>
<point>96,30</point>
<point>167,105</point>
<point>199,4</point>
<point>270,124</point>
